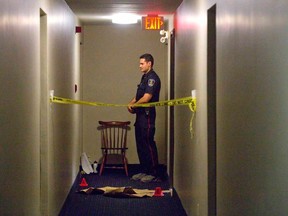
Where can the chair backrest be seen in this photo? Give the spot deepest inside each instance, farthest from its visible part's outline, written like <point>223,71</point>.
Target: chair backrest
<point>114,136</point>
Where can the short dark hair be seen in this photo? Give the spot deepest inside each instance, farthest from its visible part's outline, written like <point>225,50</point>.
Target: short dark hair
<point>148,57</point>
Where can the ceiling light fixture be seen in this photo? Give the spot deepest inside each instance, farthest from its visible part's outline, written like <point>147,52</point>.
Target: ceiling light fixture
<point>124,18</point>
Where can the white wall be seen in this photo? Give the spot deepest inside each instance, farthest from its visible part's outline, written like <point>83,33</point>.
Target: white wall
<point>251,107</point>
<point>65,121</point>
<point>24,149</point>
<point>191,175</point>
<point>19,108</point>
<point>111,75</point>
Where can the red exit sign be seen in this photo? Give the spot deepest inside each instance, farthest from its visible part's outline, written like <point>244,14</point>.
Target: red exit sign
<point>152,22</point>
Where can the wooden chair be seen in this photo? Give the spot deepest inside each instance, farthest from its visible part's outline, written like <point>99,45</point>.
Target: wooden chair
<point>114,144</point>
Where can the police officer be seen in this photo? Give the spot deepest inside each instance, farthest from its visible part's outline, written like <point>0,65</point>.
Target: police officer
<point>148,91</point>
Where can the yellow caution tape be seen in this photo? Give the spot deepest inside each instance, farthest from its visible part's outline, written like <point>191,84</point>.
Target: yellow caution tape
<point>175,102</point>
<point>190,101</point>
<point>192,105</point>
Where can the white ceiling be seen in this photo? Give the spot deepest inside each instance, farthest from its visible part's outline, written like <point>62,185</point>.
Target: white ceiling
<point>95,11</point>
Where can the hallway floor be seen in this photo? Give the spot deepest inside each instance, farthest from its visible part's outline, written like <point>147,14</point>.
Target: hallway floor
<point>78,204</point>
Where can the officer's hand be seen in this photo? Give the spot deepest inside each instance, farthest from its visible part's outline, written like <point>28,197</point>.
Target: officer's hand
<point>131,109</point>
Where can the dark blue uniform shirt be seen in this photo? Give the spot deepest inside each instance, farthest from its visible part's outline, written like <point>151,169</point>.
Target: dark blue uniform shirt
<point>150,83</point>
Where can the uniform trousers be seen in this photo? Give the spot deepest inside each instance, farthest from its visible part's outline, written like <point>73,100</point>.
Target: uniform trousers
<point>146,148</point>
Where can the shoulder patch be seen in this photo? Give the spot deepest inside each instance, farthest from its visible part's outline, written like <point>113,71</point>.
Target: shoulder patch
<point>151,82</point>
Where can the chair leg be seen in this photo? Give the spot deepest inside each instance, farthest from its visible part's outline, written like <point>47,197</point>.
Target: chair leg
<point>125,165</point>
<point>103,164</point>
